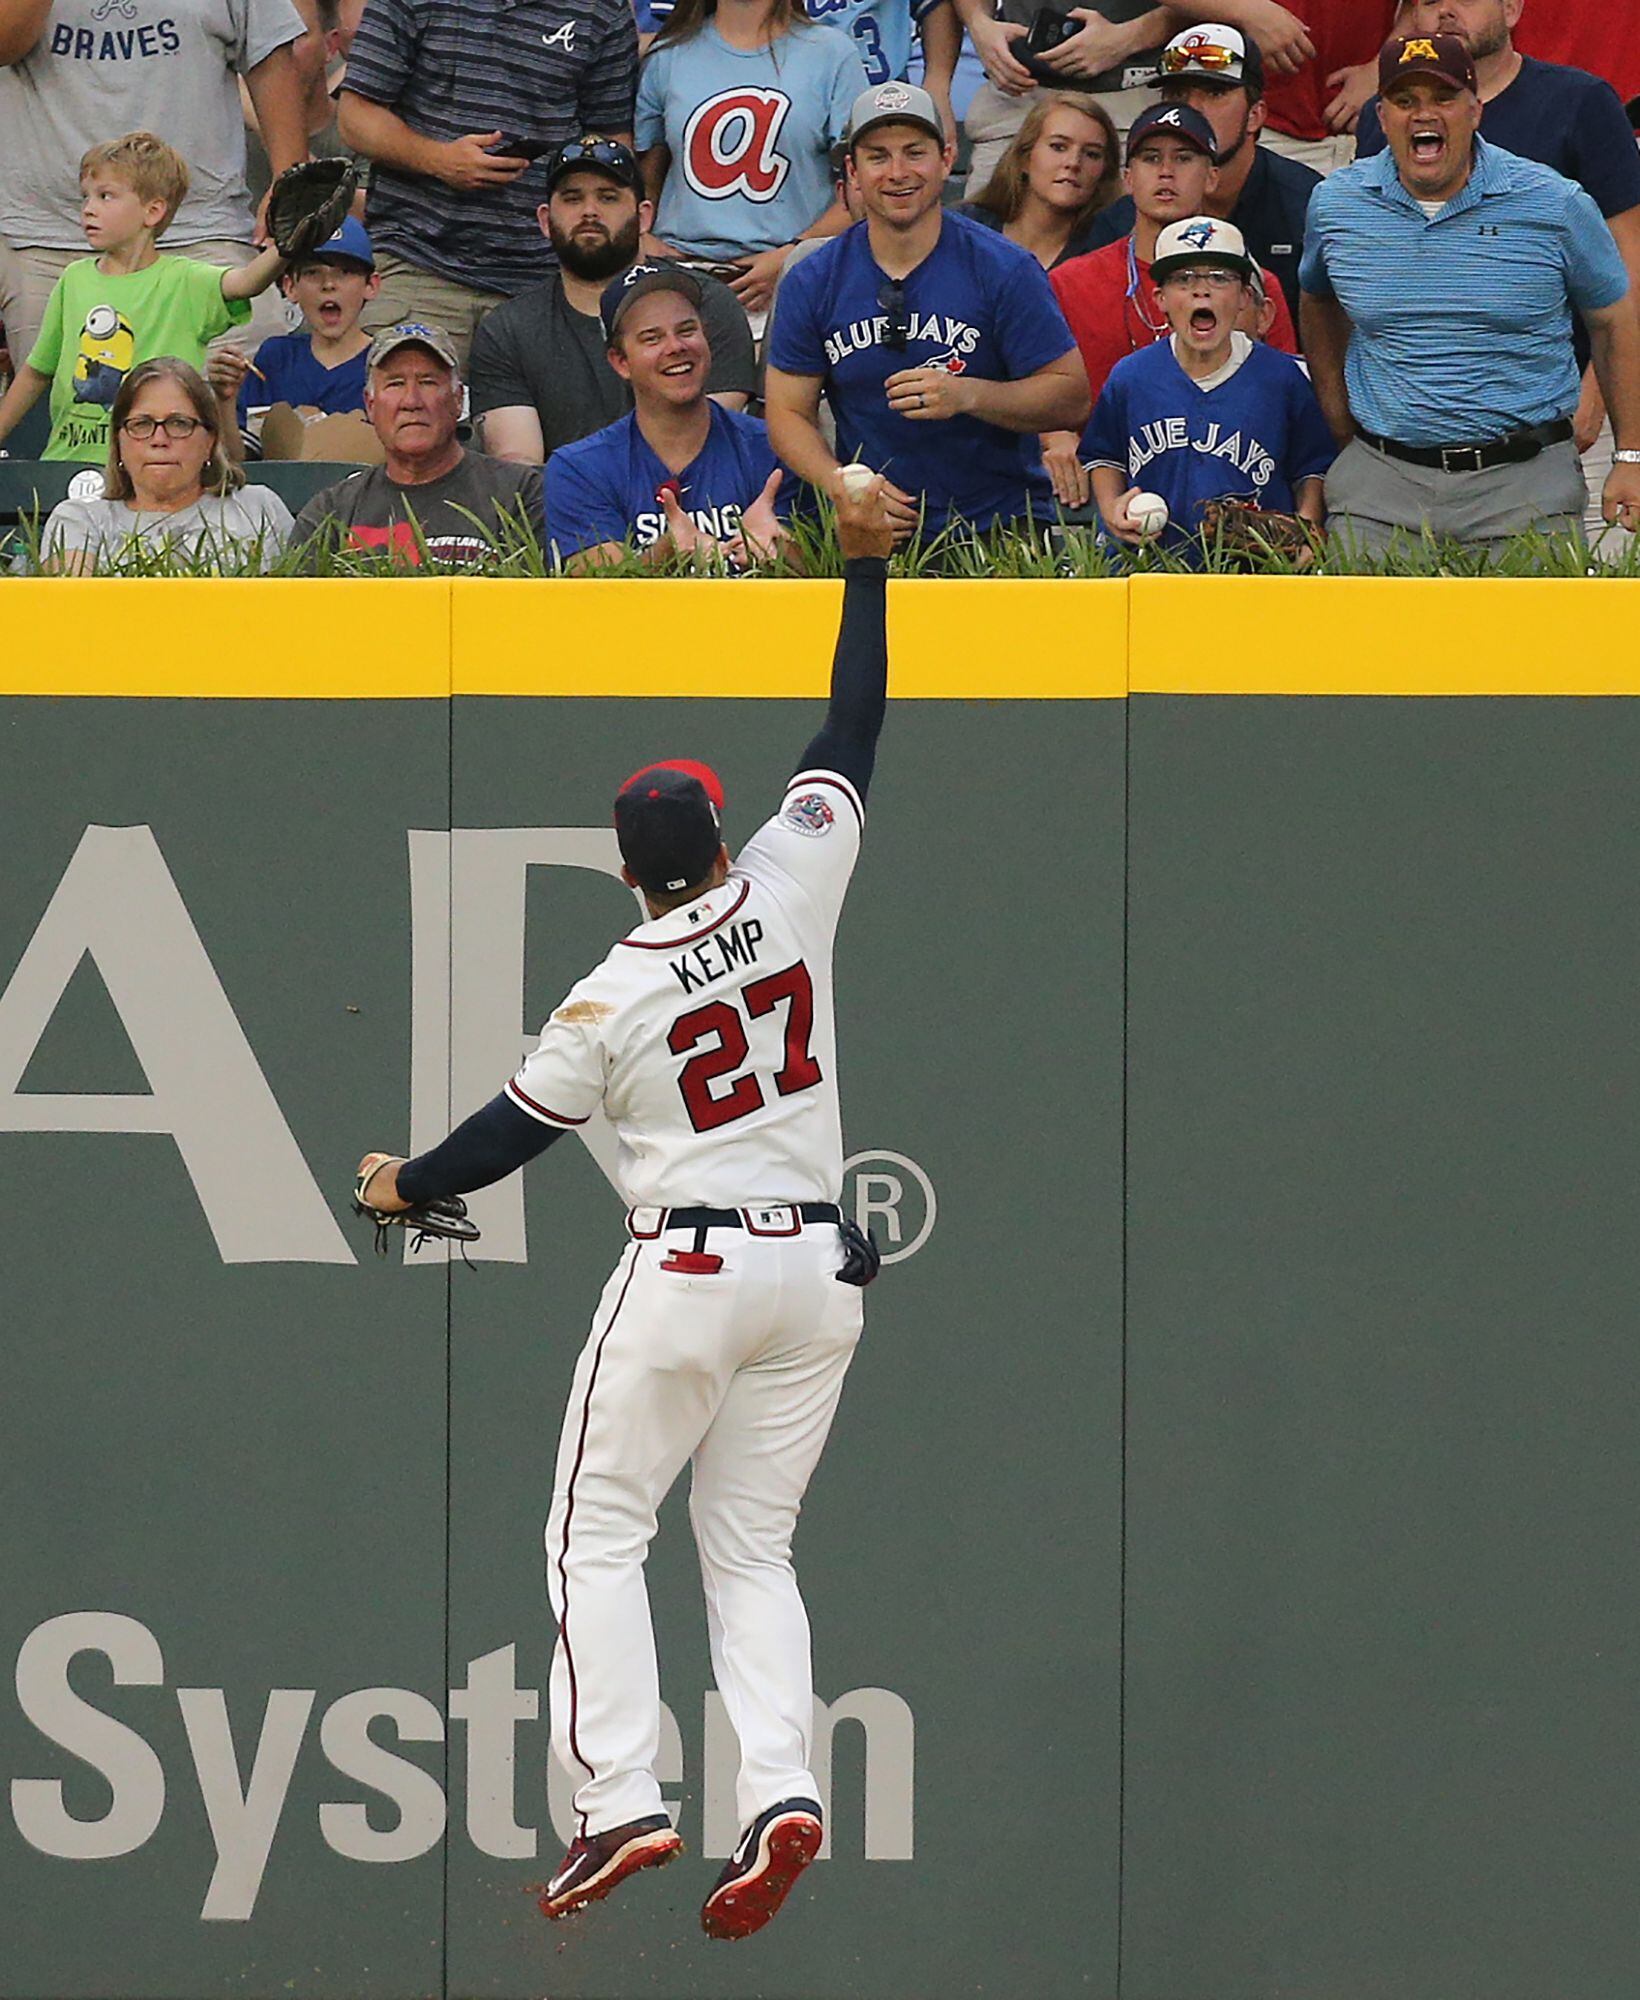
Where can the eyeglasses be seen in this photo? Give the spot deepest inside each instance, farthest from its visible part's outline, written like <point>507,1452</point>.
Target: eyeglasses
<point>173,427</point>
<point>1213,276</point>
<point>1206,55</point>
<point>891,300</point>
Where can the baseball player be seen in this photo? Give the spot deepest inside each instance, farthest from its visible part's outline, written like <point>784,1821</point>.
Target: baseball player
<point>724,1333</point>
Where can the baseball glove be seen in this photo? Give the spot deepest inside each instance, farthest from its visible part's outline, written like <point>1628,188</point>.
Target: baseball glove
<point>446,1216</point>
<point>1238,528</point>
<point>307,203</point>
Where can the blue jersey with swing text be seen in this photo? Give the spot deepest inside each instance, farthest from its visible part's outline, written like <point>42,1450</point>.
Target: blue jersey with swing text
<point>1253,437</point>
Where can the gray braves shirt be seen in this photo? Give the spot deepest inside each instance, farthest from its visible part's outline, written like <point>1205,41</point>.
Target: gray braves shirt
<point>103,67</point>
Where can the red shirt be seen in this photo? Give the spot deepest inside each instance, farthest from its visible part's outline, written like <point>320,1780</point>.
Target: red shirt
<point>1597,35</point>
<point>1109,325</point>
<point>1345,32</point>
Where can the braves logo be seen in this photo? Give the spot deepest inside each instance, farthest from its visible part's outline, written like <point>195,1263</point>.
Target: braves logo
<point>731,145</point>
<point>1168,117</point>
<point>951,361</point>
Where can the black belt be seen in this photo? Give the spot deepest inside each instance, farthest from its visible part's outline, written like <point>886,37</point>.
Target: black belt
<point>1514,449</point>
<point>733,1218</point>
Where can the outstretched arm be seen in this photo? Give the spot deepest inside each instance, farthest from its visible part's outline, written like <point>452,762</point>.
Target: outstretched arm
<point>847,741</point>
<point>494,1142</point>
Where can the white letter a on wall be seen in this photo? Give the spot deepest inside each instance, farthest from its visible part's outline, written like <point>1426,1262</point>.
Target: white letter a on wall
<point>118,903</point>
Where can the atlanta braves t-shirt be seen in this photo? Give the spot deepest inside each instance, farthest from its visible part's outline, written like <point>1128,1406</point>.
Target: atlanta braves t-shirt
<point>976,305</point>
<point>1252,437</point>
<point>882,29</point>
<point>606,487</point>
<point>98,328</point>
<point>749,131</point>
<point>292,375</point>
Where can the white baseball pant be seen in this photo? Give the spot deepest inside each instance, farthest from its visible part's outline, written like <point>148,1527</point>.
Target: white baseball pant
<point>739,1370</point>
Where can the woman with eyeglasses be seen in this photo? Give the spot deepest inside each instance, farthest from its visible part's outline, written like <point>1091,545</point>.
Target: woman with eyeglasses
<point>169,486</point>
<point>1061,168</point>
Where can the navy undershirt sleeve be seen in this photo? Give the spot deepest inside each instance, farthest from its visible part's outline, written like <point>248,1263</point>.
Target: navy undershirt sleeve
<point>847,742</point>
<point>493,1143</point>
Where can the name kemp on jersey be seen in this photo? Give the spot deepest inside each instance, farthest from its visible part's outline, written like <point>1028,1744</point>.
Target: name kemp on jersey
<point>714,958</point>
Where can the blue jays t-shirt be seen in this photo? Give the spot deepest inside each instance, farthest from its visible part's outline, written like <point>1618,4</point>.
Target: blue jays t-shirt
<point>295,377</point>
<point>977,305</point>
<point>605,488</point>
<point>1253,437</point>
<point>749,132</point>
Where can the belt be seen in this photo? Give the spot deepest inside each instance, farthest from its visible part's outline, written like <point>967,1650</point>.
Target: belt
<point>772,1218</point>
<point>1513,449</point>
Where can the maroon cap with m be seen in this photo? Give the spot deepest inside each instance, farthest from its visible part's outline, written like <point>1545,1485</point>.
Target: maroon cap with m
<point>1425,55</point>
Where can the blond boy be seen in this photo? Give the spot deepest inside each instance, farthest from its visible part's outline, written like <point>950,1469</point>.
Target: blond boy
<point>126,302</point>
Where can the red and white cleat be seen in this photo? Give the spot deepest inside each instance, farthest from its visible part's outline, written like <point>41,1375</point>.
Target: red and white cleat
<point>774,1850</point>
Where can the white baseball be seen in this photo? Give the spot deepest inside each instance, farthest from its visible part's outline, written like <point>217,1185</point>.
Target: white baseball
<point>1148,513</point>
<point>857,479</point>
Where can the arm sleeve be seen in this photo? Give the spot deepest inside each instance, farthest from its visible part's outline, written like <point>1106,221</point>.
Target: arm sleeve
<point>1369,133</point>
<point>734,357</point>
<point>1032,330</point>
<point>579,514</point>
<point>47,350</point>
<point>383,54</point>
<point>1312,265</point>
<point>494,1142</point>
<point>1596,275</point>
<point>495,379</point>
<point>263,26</point>
<point>847,739</point>
<point>848,80</point>
<point>1105,441</point>
<point>1604,157</point>
<point>1311,445</point>
<point>649,118</point>
<point>796,347</point>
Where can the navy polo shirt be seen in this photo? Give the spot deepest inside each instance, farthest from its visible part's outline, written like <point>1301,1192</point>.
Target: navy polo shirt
<point>1562,118</point>
<point>1461,324</point>
<point>1270,215</point>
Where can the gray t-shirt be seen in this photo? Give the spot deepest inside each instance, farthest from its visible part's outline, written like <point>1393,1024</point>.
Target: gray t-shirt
<point>537,350</point>
<point>103,67</point>
<point>457,515</point>
<point>243,530</point>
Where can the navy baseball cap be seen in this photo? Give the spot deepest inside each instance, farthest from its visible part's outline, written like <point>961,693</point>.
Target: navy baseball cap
<point>637,283</point>
<point>669,824</point>
<point>594,154</point>
<point>1173,121</point>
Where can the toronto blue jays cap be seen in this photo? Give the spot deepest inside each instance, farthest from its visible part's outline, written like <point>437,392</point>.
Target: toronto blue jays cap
<point>1172,121</point>
<point>669,824</point>
<point>348,245</point>
<point>1200,239</point>
<point>638,283</point>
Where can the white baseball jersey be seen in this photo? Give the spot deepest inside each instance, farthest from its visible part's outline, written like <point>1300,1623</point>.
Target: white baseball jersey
<point>708,1033</point>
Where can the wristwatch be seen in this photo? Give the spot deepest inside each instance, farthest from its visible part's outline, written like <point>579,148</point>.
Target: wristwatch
<point>1626,457</point>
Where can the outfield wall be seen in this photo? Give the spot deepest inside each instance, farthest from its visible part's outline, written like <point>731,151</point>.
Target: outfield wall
<point>1221,1571</point>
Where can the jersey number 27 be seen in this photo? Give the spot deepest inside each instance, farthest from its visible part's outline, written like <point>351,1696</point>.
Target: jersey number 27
<point>719,1023</point>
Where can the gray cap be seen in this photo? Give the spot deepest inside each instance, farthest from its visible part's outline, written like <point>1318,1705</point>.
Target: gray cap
<point>893,104</point>
<point>412,333</point>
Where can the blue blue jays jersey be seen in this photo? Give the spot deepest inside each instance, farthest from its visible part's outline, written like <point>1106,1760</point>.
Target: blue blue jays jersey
<point>606,488</point>
<point>1253,437</point>
<point>291,375</point>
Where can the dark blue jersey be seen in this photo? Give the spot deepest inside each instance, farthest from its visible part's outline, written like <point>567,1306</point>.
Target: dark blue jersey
<point>294,377</point>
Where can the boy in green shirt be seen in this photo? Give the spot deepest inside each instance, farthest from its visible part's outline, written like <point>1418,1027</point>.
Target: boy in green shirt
<point>126,303</point>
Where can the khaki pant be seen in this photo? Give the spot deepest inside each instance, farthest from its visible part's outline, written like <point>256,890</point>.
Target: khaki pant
<point>1373,498</point>
<point>27,275</point>
<point>994,117</point>
<point>1321,156</point>
<point>408,292</point>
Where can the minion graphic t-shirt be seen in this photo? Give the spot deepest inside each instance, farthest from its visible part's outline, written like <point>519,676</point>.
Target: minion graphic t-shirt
<point>97,329</point>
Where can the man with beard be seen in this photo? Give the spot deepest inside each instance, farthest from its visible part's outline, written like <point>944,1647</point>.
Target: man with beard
<point>540,374</point>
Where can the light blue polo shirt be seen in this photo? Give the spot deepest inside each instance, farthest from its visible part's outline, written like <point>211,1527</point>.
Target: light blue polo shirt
<point>1462,324</point>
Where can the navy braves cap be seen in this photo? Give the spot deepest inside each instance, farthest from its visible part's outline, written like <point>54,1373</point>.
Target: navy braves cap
<point>669,825</point>
<point>592,153</point>
<point>1173,121</point>
<point>637,283</point>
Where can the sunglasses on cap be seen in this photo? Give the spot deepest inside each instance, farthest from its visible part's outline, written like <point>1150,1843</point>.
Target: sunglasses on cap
<point>594,152</point>
<point>1206,55</point>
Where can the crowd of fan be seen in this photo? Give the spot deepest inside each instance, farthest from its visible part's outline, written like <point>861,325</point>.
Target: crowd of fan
<point>1375,265</point>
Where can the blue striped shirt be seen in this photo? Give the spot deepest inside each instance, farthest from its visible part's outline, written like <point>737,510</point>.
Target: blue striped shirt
<point>543,70</point>
<point>1462,325</point>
